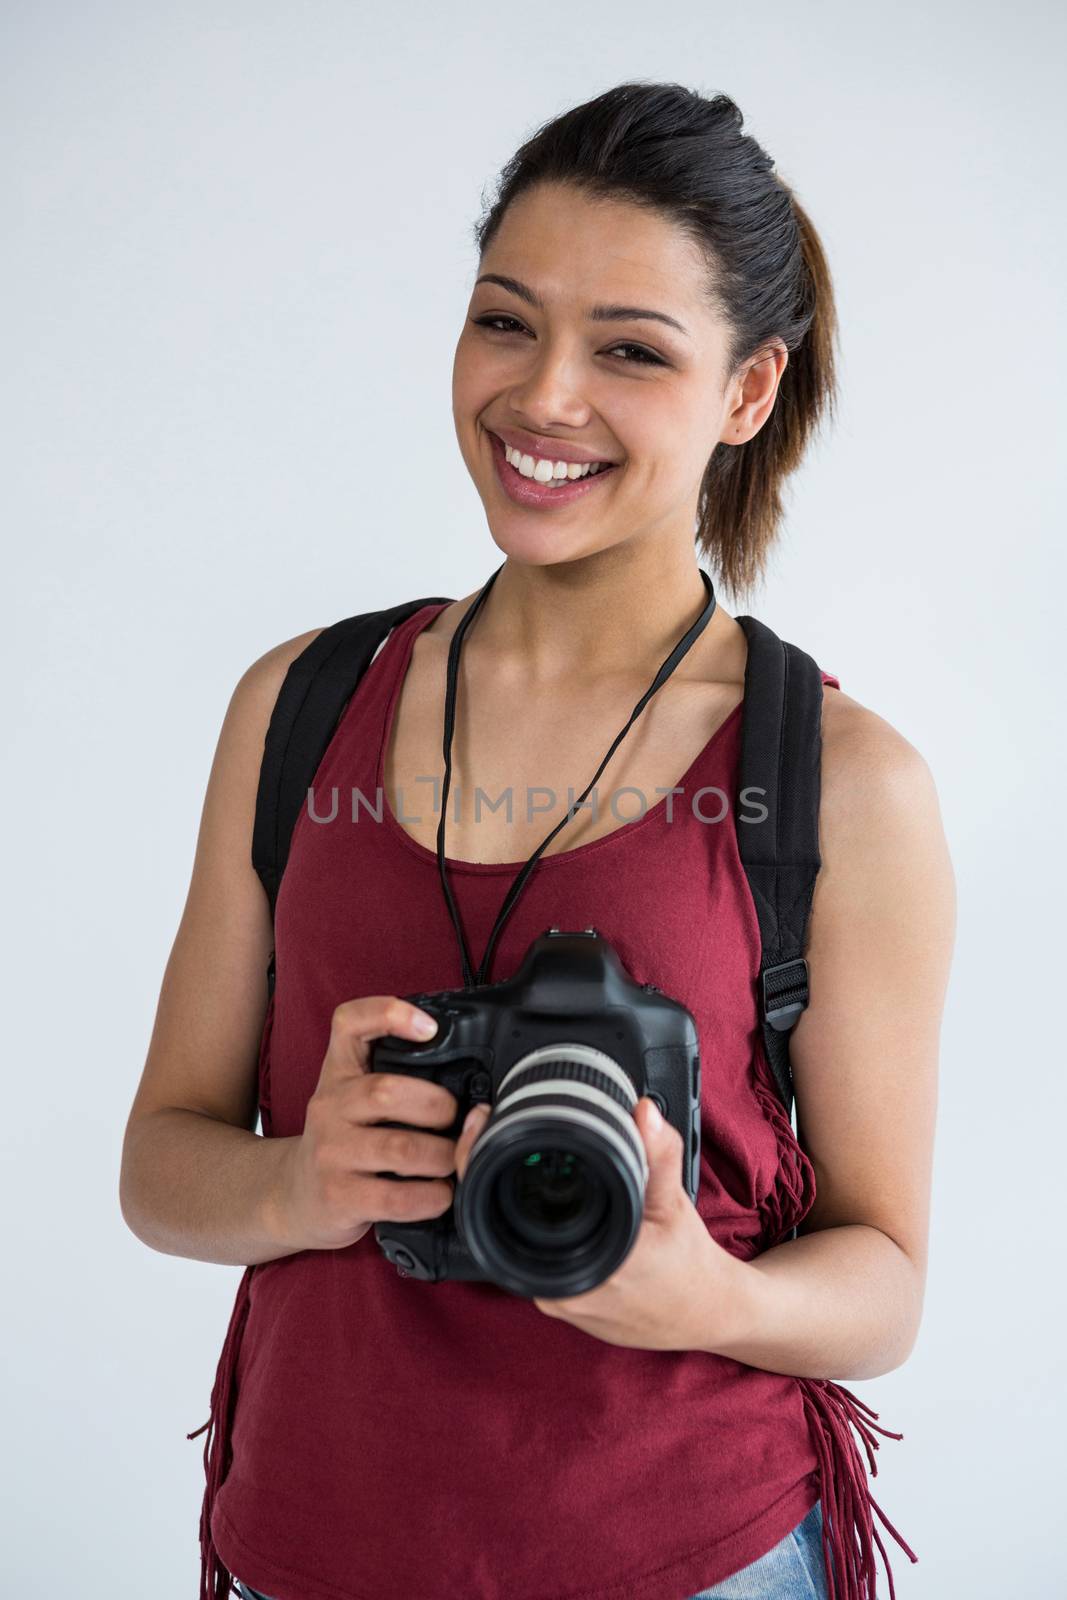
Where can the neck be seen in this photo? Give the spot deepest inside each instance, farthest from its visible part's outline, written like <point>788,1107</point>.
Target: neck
<point>591,618</point>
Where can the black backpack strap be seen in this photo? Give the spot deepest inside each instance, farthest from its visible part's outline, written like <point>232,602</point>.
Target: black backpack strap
<point>780,766</point>
<point>313,695</point>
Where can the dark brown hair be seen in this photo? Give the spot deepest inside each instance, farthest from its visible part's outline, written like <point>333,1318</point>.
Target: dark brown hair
<point>666,147</point>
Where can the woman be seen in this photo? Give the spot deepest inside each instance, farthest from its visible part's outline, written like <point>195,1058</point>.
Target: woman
<point>651,297</point>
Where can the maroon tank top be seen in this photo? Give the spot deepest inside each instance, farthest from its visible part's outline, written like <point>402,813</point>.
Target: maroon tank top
<point>374,1437</point>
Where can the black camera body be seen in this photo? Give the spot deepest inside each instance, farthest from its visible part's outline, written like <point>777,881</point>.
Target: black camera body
<point>553,1194</point>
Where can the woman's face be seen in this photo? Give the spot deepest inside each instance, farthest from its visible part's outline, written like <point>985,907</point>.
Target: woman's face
<point>637,391</point>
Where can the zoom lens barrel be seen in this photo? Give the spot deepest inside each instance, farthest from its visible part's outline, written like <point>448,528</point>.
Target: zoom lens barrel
<point>553,1195</point>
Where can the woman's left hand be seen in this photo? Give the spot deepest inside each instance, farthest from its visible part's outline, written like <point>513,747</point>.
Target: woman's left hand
<point>677,1286</point>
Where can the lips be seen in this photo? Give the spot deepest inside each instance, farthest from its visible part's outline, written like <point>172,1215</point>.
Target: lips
<point>550,449</point>
<point>529,492</point>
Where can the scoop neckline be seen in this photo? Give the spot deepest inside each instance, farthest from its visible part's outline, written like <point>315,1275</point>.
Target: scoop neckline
<point>415,624</point>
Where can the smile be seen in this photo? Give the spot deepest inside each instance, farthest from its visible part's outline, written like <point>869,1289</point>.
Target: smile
<point>545,483</point>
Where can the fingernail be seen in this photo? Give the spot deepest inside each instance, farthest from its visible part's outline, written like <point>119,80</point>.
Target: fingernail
<point>424,1024</point>
<point>654,1118</point>
<point>470,1119</point>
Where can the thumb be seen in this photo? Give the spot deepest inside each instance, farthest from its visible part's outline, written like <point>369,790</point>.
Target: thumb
<point>475,1121</point>
<point>663,1147</point>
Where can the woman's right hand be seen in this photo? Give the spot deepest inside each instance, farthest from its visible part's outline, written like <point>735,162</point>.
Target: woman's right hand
<point>330,1195</point>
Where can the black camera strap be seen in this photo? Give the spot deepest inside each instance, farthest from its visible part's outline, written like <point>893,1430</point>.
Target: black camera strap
<point>470,978</point>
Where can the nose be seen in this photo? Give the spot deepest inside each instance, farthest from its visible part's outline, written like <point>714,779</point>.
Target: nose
<point>548,398</point>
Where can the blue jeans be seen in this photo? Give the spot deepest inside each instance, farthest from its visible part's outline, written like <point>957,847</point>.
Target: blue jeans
<point>793,1570</point>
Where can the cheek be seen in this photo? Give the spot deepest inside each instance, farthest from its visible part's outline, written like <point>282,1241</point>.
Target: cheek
<point>479,360</point>
<point>686,457</point>
<point>670,464</point>
<point>657,434</point>
<point>461,373</point>
<point>476,383</point>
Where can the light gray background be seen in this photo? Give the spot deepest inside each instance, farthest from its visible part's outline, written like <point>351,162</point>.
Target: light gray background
<point>236,258</point>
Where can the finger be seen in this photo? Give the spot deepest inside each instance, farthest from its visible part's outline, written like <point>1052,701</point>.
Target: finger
<point>398,1097</point>
<point>355,1023</point>
<point>405,1199</point>
<point>664,1149</point>
<point>553,1308</point>
<point>476,1120</point>
<point>407,1153</point>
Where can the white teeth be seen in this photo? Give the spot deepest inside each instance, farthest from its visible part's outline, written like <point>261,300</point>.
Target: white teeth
<point>542,471</point>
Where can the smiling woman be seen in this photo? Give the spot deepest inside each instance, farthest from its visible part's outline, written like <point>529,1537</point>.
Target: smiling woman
<point>652,278</point>
<point>647,351</point>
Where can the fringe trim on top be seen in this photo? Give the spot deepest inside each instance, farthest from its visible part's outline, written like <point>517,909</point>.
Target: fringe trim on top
<point>215,1581</point>
<point>793,1190</point>
<point>849,1534</point>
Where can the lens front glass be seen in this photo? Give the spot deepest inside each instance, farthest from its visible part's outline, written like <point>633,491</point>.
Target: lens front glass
<point>551,1197</point>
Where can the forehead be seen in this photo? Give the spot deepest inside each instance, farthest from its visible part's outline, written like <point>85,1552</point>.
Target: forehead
<point>573,248</point>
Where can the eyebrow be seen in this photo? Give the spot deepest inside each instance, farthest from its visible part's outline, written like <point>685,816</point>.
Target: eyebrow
<point>596,313</point>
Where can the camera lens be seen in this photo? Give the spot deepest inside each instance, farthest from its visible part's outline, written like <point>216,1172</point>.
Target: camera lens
<point>553,1195</point>
<point>550,1198</point>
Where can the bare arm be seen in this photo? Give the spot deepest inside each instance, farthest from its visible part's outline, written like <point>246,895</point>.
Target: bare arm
<point>196,1180</point>
<point>844,1299</point>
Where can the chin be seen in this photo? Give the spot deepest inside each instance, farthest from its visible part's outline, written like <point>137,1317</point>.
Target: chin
<point>537,546</point>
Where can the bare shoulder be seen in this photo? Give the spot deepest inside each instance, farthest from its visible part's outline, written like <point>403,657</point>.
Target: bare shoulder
<point>886,870</point>
<point>234,779</point>
<point>259,685</point>
<point>878,795</point>
<point>239,753</point>
<point>858,741</point>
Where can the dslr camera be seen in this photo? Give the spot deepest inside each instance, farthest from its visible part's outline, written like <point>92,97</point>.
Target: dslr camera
<point>553,1194</point>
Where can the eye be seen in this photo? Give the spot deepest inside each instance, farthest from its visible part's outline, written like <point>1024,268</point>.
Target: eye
<point>643,357</point>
